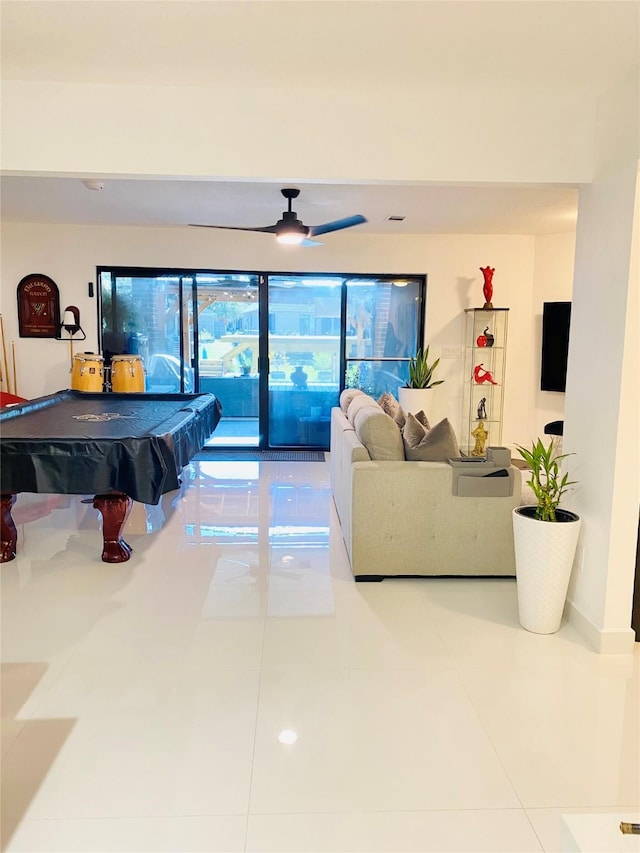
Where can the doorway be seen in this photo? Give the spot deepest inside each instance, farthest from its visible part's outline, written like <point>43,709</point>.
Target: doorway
<point>275,348</point>
<point>227,332</point>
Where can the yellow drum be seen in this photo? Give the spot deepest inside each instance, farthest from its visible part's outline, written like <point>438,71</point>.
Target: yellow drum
<point>87,372</point>
<point>127,374</point>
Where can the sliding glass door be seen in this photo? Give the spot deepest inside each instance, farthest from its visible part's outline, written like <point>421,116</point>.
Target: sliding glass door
<point>275,348</point>
<point>305,346</point>
<point>228,358</point>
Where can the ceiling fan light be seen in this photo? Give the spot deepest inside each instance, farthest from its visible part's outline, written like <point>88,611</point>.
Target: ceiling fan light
<point>290,231</point>
<point>290,238</point>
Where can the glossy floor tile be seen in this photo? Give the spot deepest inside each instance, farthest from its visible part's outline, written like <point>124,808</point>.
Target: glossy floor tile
<point>232,688</point>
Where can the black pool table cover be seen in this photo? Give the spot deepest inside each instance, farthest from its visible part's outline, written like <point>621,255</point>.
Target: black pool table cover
<point>79,443</point>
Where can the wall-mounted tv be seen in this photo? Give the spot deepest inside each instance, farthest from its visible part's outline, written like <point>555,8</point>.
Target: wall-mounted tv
<point>556,317</point>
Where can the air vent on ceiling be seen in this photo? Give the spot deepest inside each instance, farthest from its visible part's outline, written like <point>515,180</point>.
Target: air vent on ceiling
<point>396,218</point>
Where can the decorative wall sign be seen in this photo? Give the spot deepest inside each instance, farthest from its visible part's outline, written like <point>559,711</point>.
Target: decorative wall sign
<point>38,307</point>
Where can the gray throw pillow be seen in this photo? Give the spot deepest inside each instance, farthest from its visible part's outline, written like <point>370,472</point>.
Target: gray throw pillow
<point>400,417</point>
<point>423,419</point>
<point>434,445</point>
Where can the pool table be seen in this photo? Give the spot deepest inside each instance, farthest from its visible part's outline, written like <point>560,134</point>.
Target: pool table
<point>117,447</point>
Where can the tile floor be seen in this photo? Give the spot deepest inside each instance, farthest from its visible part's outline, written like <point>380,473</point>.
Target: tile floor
<point>231,688</point>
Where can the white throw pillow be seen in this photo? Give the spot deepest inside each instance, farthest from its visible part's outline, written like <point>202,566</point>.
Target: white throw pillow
<point>347,396</point>
<point>359,402</point>
<point>429,445</point>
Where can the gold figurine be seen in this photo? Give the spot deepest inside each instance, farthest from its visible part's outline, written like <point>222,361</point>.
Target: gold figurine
<point>481,435</point>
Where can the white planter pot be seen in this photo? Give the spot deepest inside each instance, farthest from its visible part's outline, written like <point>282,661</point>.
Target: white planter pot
<point>544,559</point>
<point>415,400</point>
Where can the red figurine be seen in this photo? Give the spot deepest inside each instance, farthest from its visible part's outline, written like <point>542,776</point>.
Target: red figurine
<point>487,288</point>
<point>481,375</point>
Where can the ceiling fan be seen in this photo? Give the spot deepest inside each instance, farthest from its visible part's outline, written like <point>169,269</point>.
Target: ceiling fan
<point>290,229</point>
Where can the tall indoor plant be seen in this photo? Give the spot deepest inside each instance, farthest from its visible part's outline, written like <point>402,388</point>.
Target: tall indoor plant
<point>413,395</point>
<point>545,538</point>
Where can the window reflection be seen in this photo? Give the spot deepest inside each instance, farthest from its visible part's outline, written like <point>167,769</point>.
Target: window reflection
<point>269,541</point>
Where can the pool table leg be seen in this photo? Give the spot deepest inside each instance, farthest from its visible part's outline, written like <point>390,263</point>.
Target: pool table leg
<point>115,509</point>
<point>8,532</point>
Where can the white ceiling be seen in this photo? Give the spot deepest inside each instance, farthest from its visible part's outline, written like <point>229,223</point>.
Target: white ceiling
<point>453,43</point>
<point>428,210</point>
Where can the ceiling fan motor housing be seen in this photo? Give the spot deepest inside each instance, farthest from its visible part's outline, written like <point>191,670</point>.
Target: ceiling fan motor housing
<point>290,224</point>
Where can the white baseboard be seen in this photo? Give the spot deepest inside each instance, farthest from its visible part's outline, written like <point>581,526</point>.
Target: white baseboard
<point>605,642</point>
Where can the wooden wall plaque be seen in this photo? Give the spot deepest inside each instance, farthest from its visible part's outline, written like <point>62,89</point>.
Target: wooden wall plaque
<point>38,307</point>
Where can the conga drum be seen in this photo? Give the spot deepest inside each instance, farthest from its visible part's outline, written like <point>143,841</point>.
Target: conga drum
<point>127,374</point>
<point>87,372</point>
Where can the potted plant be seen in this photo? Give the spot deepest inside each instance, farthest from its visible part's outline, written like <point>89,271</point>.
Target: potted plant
<point>545,539</point>
<point>413,395</point>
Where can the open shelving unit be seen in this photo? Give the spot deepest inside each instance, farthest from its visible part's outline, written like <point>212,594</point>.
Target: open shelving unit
<point>484,400</point>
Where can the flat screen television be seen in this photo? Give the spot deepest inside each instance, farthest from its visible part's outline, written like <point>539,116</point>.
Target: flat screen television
<point>556,318</point>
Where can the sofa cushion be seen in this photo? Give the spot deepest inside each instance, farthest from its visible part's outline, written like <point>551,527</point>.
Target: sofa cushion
<point>347,396</point>
<point>429,445</point>
<point>360,401</point>
<point>379,434</point>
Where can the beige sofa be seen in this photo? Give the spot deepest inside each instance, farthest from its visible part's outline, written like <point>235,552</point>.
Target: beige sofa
<point>402,518</point>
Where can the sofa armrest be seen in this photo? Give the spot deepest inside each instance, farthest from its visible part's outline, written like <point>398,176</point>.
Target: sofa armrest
<point>344,450</point>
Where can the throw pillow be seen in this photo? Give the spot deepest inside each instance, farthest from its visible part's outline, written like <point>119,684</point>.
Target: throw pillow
<point>392,407</point>
<point>388,404</point>
<point>434,445</point>
<point>379,434</point>
<point>347,396</point>
<point>400,418</point>
<point>360,401</point>
<point>423,419</point>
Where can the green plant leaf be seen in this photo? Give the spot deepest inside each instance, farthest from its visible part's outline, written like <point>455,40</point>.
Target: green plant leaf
<point>546,481</point>
<point>421,372</point>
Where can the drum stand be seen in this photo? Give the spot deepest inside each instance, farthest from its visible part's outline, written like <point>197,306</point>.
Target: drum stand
<point>71,325</point>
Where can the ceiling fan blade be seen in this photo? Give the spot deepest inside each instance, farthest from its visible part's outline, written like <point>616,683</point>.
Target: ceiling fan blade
<point>270,229</point>
<point>337,225</point>
<point>308,242</point>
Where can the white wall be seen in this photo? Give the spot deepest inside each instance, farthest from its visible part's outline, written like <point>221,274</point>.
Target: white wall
<point>69,254</point>
<point>553,282</point>
<point>399,134</point>
<point>602,410</point>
